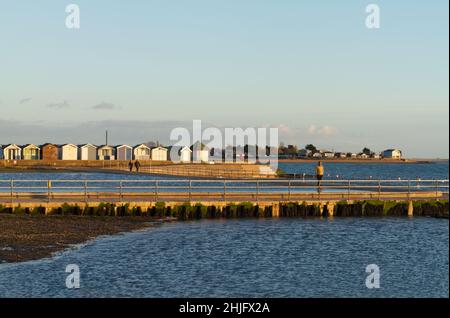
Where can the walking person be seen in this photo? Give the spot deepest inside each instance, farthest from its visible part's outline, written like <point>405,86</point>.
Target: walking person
<point>130,166</point>
<point>137,164</point>
<point>319,174</point>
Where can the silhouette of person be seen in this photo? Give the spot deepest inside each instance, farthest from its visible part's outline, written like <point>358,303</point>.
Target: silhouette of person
<point>137,164</point>
<point>130,166</point>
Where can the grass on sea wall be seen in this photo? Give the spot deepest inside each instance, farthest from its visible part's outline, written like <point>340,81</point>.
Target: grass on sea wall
<point>187,211</point>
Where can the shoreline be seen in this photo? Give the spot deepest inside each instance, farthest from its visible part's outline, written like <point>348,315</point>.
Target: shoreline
<point>34,237</point>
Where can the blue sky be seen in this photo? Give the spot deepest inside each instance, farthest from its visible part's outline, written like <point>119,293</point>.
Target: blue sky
<point>311,68</point>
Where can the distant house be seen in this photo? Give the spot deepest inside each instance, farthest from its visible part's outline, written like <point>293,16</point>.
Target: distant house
<point>328,154</point>
<point>49,152</point>
<point>351,155</point>
<point>375,156</point>
<point>141,152</point>
<point>68,152</point>
<point>340,155</point>
<point>317,155</point>
<point>31,152</point>
<point>392,154</point>
<point>159,153</point>
<point>363,155</point>
<point>12,152</point>
<point>105,152</point>
<point>124,152</point>
<point>88,152</point>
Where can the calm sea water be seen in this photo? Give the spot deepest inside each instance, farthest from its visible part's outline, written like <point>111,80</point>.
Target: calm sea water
<point>250,258</point>
<point>435,170</point>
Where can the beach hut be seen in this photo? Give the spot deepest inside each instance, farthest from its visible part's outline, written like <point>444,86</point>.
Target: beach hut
<point>88,152</point>
<point>1,152</point>
<point>68,152</point>
<point>185,154</point>
<point>49,152</point>
<point>159,153</point>
<point>141,152</point>
<point>12,152</point>
<point>31,152</point>
<point>124,152</point>
<point>180,154</point>
<point>105,152</point>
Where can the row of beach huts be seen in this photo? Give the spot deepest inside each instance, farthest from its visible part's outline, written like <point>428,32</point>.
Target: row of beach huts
<point>54,152</point>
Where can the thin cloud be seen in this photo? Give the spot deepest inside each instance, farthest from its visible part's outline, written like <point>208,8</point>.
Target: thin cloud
<point>61,105</point>
<point>24,100</point>
<point>105,106</point>
<point>323,131</point>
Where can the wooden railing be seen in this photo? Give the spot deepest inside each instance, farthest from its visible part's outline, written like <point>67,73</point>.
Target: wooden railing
<point>228,190</point>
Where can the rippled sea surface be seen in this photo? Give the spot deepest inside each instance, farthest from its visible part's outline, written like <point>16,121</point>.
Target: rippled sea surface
<point>250,258</point>
<point>405,171</point>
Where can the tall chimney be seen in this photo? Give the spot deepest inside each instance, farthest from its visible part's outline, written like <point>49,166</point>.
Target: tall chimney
<point>107,137</point>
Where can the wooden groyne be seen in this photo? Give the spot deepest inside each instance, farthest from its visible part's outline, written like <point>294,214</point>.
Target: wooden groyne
<point>199,210</point>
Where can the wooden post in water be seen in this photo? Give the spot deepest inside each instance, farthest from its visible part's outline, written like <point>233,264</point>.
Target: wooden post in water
<point>275,210</point>
<point>410,208</point>
<point>330,207</point>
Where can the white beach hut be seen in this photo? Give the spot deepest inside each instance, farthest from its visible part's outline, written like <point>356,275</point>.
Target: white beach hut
<point>12,152</point>
<point>185,154</point>
<point>68,152</point>
<point>124,152</point>
<point>31,152</point>
<point>105,152</point>
<point>141,152</point>
<point>159,153</point>
<point>180,154</point>
<point>88,152</point>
